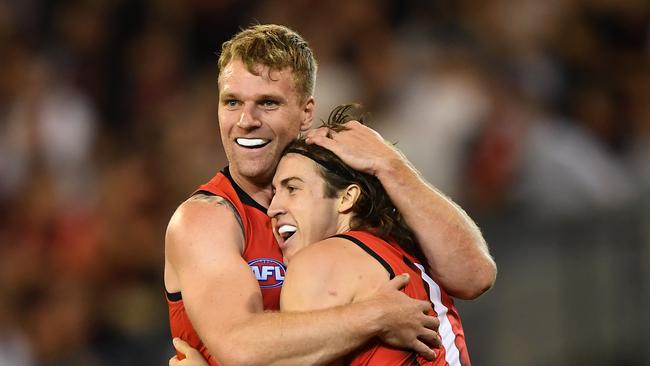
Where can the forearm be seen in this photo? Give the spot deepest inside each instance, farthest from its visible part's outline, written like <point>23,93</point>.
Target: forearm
<point>456,252</point>
<point>296,338</point>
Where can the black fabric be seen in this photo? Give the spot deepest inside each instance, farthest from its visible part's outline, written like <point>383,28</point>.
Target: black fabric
<point>243,196</point>
<point>369,251</point>
<point>175,296</point>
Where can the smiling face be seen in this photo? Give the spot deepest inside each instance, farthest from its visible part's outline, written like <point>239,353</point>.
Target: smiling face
<point>259,115</point>
<point>300,212</point>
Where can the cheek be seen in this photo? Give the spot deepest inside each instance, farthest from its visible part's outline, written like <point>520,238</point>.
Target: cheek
<point>225,117</point>
<point>288,124</point>
<point>323,220</point>
<point>223,124</point>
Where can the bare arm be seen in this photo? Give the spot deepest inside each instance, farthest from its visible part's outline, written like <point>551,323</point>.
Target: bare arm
<point>203,258</point>
<point>457,254</point>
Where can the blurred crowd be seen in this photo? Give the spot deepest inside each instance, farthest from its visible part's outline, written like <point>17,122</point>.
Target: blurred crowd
<point>534,115</point>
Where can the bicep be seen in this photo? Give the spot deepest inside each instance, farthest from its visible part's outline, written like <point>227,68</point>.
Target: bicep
<point>218,288</point>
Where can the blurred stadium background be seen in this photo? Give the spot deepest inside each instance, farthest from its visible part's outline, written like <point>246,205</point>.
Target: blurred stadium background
<point>534,115</point>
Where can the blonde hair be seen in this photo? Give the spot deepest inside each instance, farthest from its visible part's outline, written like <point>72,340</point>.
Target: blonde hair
<point>276,47</point>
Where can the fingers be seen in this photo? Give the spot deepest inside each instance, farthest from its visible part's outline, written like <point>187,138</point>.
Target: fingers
<point>185,348</point>
<point>320,134</point>
<point>425,306</point>
<point>430,338</point>
<point>321,131</point>
<point>188,356</point>
<point>431,322</point>
<point>424,350</point>
<point>181,346</point>
<point>323,141</point>
<point>353,124</point>
<point>399,282</point>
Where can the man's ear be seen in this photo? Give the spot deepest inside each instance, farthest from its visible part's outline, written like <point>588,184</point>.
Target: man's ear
<point>349,198</point>
<point>308,114</point>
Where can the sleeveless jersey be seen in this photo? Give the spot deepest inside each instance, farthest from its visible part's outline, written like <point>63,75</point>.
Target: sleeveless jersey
<point>396,261</point>
<point>261,252</point>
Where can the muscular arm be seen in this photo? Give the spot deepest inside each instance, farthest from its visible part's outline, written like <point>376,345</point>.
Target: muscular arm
<point>203,259</point>
<point>456,252</point>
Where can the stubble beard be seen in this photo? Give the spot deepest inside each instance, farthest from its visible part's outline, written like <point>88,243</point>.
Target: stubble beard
<point>257,172</point>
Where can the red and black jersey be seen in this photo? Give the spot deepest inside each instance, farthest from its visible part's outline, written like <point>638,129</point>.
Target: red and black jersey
<point>396,261</point>
<point>261,252</point>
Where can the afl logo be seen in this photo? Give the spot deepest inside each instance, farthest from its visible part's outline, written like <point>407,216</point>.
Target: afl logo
<point>269,272</point>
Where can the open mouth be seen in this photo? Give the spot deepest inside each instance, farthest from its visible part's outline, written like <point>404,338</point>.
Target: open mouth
<point>286,231</point>
<point>252,143</point>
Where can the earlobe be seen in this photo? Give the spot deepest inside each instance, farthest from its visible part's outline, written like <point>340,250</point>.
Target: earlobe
<point>308,114</point>
<point>349,198</point>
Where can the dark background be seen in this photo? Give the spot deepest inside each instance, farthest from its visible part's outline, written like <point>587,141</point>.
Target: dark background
<point>534,115</point>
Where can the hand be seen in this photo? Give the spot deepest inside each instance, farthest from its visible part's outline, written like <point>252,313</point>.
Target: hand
<point>192,356</point>
<point>406,323</point>
<point>359,146</point>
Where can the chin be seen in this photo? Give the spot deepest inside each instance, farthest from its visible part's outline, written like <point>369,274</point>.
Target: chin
<point>256,170</point>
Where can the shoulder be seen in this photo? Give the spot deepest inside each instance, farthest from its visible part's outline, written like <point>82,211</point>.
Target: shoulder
<point>201,210</point>
<point>337,252</point>
<point>334,271</point>
<point>204,219</point>
<point>329,255</point>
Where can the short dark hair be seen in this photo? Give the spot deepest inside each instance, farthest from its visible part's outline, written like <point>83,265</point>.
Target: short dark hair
<point>374,212</point>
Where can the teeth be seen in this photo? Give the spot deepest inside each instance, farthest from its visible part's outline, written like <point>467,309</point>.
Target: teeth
<point>251,142</point>
<point>286,229</point>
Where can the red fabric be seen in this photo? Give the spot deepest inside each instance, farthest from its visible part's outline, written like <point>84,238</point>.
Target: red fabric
<point>454,350</point>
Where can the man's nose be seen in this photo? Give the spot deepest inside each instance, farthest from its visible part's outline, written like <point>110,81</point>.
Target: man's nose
<point>248,118</point>
<point>275,208</point>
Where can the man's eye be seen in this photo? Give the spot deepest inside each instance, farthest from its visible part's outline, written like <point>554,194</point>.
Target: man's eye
<point>291,189</point>
<point>231,103</point>
<point>269,103</point>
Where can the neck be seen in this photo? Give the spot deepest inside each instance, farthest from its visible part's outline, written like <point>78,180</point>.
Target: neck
<point>261,191</point>
<point>343,223</point>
